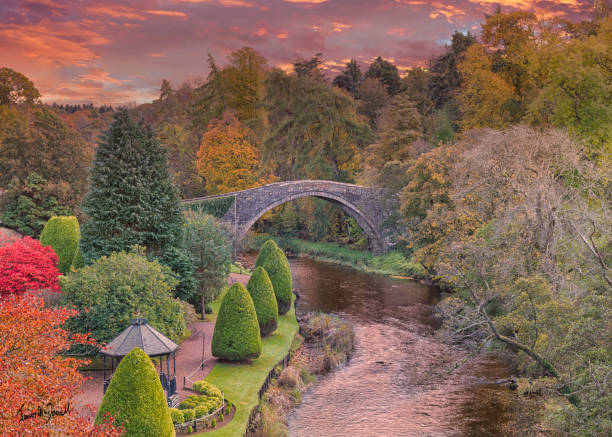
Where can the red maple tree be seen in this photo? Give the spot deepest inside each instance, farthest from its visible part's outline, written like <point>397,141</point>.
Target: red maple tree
<point>27,266</point>
<point>36,381</point>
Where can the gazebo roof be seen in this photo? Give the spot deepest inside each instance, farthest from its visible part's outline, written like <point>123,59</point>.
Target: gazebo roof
<point>140,334</point>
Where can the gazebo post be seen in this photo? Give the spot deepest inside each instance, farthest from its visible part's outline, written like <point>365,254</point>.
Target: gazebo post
<point>168,379</point>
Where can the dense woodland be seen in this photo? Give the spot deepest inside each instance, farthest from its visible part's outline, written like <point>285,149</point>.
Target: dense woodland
<point>500,150</point>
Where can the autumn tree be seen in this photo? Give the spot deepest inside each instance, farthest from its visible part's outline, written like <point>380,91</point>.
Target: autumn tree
<point>415,85</point>
<point>484,94</point>
<point>37,383</point>
<point>400,126</point>
<point>372,98</point>
<point>572,83</point>
<point>38,139</point>
<point>314,129</point>
<point>237,86</point>
<point>27,266</point>
<point>244,76</point>
<point>227,158</point>
<point>15,88</point>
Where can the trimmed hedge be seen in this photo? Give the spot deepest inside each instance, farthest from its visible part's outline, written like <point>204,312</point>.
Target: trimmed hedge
<point>135,398</point>
<point>277,267</point>
<point>62,234</point>
<point>176,415</point>
<point>236,336</point>
<point>266,249</point>
<point>262,292</point>
<point>206,388</point>
<point>217,207</point>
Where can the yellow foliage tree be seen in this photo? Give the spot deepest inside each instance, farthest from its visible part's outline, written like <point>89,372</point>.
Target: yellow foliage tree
<point>484,93</point>
<point>227,159</point>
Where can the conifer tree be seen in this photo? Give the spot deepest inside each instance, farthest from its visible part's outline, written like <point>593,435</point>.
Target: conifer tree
<point>236,336</point>
<point>136,398</point>
<point>262,292</point>
<point>131,200</point>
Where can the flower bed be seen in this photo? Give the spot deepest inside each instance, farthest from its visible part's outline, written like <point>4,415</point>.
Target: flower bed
<point>201,411</point>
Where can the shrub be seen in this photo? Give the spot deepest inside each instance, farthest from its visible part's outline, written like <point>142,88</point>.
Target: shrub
<point>25,265</point>
<point>189,312</point>
<point>115,288</point>
<point>189,403</point>
<point>221,418</point>
<point>278,270</point>
<point>188,414</point>
<point>206,388</point>
<point>228,409</point>
<point>190,430</point>
<point>266,249</point>
<point>136,399</point>
<point>176,415</point>
<point>62,234</point>
<point>213,423</point>
<point>200,411</point>
<point>290,378</point>
<point>236,335</point>
<point>261,291</point>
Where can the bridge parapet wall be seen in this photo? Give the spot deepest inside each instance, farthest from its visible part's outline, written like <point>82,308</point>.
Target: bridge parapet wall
<point>369,206</point>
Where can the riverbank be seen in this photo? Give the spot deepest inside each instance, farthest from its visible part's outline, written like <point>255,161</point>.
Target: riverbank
<point>240,383</point>
<point>325,342</point>
<point>393,263</point>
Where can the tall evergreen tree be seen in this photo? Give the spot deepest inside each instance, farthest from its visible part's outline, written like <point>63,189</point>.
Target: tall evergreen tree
<point>387,73</point>
<point>350,78</point>
<point>131,198</point>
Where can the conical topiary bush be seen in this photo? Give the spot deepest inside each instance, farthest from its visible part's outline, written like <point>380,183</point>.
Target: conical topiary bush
<point>62,234</point>
<point>262,292</point>
<point>277,267</point>
<point>236,336</point>
<point>136,400</point>
<point>268,247</point>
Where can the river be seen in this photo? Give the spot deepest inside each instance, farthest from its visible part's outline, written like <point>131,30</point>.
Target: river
<point>398,383</point>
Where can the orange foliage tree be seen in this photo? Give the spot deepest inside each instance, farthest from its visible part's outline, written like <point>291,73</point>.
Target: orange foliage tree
<point>36,381</point>
<point>227,158</point>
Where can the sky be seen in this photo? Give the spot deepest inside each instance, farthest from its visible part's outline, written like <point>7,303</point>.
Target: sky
<point>117,52</point>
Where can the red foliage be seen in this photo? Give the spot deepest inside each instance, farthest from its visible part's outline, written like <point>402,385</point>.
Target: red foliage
<point>27,266</point>
<point>36,382</point>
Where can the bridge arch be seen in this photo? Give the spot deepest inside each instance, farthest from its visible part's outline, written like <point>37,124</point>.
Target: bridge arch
<point>368,206</point>
<point>351,209</point>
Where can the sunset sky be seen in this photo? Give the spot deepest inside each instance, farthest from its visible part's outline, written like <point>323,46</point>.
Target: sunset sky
<point>118,51</point>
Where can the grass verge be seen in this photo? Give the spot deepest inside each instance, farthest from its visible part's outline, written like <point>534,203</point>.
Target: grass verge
<point>393,263</point>
<point>241,382</point>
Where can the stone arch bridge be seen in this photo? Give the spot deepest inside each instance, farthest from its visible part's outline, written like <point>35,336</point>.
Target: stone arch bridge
<point>372,208</point>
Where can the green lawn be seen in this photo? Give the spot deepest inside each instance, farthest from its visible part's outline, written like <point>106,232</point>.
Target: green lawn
<point>241,382</point>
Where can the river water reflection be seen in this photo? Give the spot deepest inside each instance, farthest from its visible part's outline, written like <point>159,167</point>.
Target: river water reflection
<point>398,382</point>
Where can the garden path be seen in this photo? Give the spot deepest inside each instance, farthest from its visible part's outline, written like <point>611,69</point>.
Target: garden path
<point>188,358</point>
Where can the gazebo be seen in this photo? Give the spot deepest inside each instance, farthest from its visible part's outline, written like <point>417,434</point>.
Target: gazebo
<point>154,344</point>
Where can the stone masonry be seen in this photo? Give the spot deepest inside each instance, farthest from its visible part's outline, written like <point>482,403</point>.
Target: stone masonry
<point>370,207</point>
